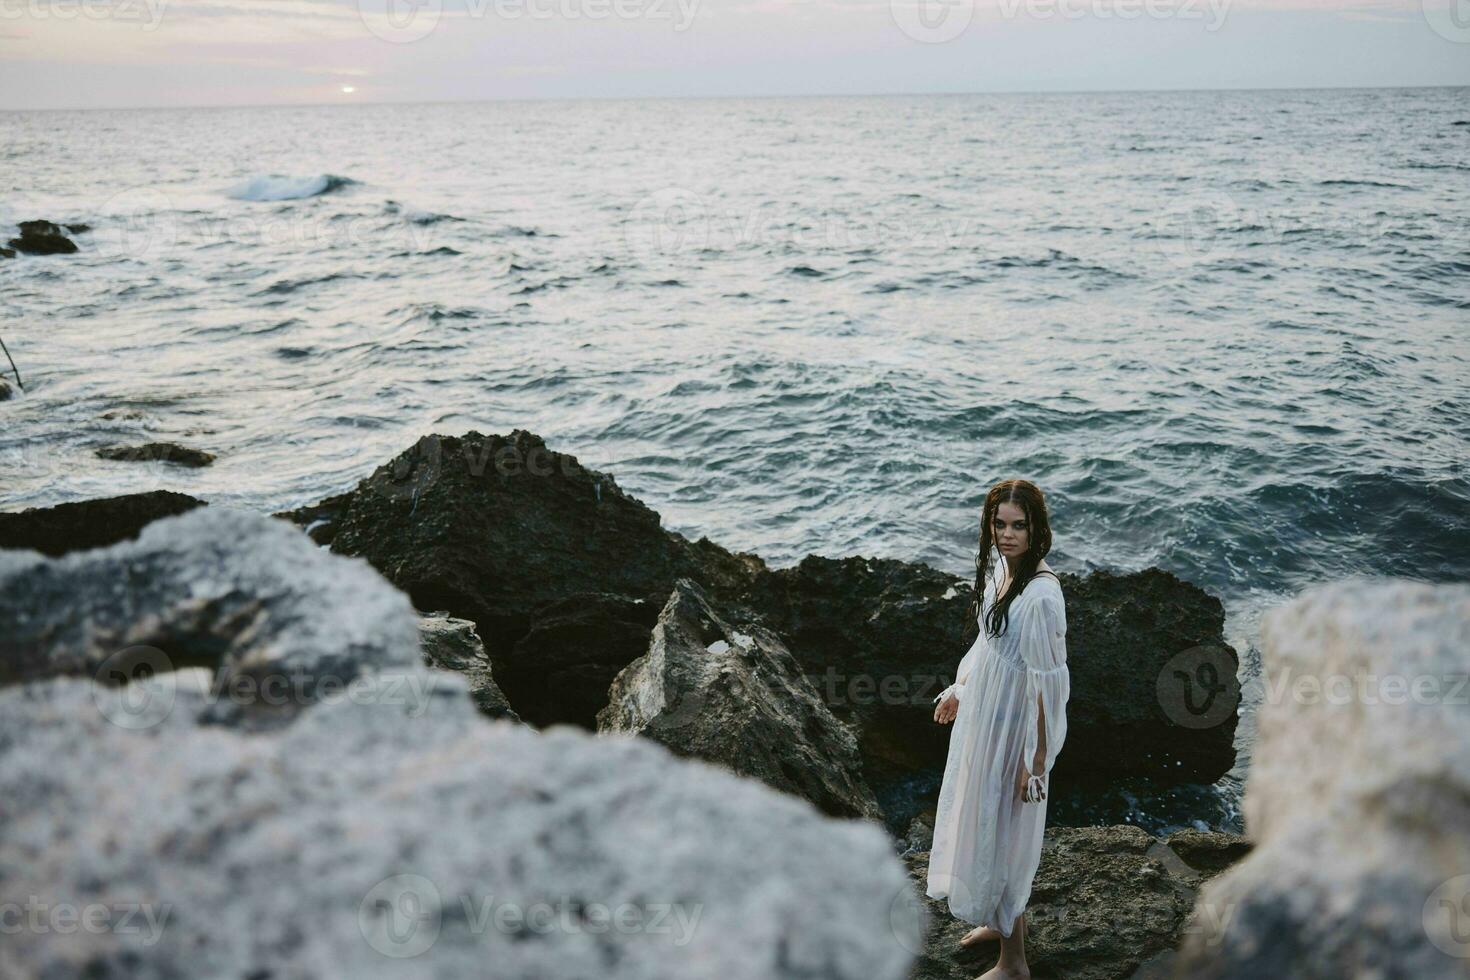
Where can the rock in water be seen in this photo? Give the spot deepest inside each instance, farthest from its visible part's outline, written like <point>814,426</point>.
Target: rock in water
<point>90,523</point>
<point>502,531</point>
<point>881,637</point>
<point>369,841</point>
<point>490,527</point>
<point>1358,797</point>
<point>42,238</point>
<point>1154,684</point>
<point>215,587</point>
<point>731,693</point>
<point>167,452</point>
<point>453,644</point>
<point>5,390</point>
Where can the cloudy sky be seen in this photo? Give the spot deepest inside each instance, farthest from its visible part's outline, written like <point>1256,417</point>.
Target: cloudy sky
<point>101,53</point>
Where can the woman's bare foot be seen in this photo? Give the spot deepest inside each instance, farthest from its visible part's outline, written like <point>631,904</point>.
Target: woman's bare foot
<point>980,934</point>
<point>996,973</point>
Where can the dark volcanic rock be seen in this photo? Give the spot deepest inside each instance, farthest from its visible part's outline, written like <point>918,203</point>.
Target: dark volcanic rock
<point>500,529</point>
<point>722,688</point>
<point>319,520</point>
<point>167,452</point>
<point>5,390</point>
<point>6,253</point>
<point>1141,647</point>
<point>881,637</point>
<point>89,523</point>
<point>453,644</point>
<point>491,527</point>
<point>1107,903</point>
<point>878,638</point>
<point>560,670</point>
<point>42,238</point>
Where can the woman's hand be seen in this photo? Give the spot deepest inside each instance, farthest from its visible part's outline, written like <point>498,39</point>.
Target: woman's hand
<point>945,711</point>
<point>1023,781</point>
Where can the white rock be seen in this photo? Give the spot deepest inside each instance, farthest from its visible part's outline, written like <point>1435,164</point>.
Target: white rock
<point>1358,797</point>
<point>362,841</point>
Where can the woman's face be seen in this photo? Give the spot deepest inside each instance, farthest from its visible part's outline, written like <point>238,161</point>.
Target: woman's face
<point>1010,529</point>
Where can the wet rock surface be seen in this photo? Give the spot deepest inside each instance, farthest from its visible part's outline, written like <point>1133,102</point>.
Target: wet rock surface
<point>165,452</point>
<point>90,523</point>
<point>43,238</point>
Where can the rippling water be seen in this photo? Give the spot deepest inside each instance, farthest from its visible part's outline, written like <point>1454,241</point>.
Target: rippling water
<point>1225,332</point>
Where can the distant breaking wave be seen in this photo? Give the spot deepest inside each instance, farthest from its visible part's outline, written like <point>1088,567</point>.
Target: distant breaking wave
<point>275,187</point>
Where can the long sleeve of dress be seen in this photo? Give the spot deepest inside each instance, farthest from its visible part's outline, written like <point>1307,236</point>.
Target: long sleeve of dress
<point>967,662</point>
<point>1043,643</point>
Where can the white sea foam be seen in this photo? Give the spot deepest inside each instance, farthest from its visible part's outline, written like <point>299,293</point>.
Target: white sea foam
<point>277,187</point>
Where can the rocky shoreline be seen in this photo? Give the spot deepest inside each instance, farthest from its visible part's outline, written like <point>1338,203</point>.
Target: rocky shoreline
<point>504,581</point>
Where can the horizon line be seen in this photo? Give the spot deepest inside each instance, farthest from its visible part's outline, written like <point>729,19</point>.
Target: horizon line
<point>716,98</point>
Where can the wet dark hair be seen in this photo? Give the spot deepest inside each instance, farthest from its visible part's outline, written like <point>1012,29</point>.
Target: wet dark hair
<point>1027,496</point>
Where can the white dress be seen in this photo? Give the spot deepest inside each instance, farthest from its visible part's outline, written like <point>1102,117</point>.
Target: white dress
<point>987,842</point>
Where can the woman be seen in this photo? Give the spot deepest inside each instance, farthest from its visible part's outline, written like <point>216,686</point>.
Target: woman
<point>1008,704</point>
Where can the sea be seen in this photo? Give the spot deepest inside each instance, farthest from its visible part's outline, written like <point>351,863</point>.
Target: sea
<point>1227,333</point>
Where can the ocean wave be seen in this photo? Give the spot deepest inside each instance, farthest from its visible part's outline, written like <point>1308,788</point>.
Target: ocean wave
<point>441,250</point>
<point>430,217</point>
<point>284,287</point>
<point>276,187</point>
<point>435,312</point>
<point>1360,183</point>
<point>1419,165</point>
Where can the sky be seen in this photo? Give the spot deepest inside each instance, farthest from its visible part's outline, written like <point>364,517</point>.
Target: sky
<point>117,53</point>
